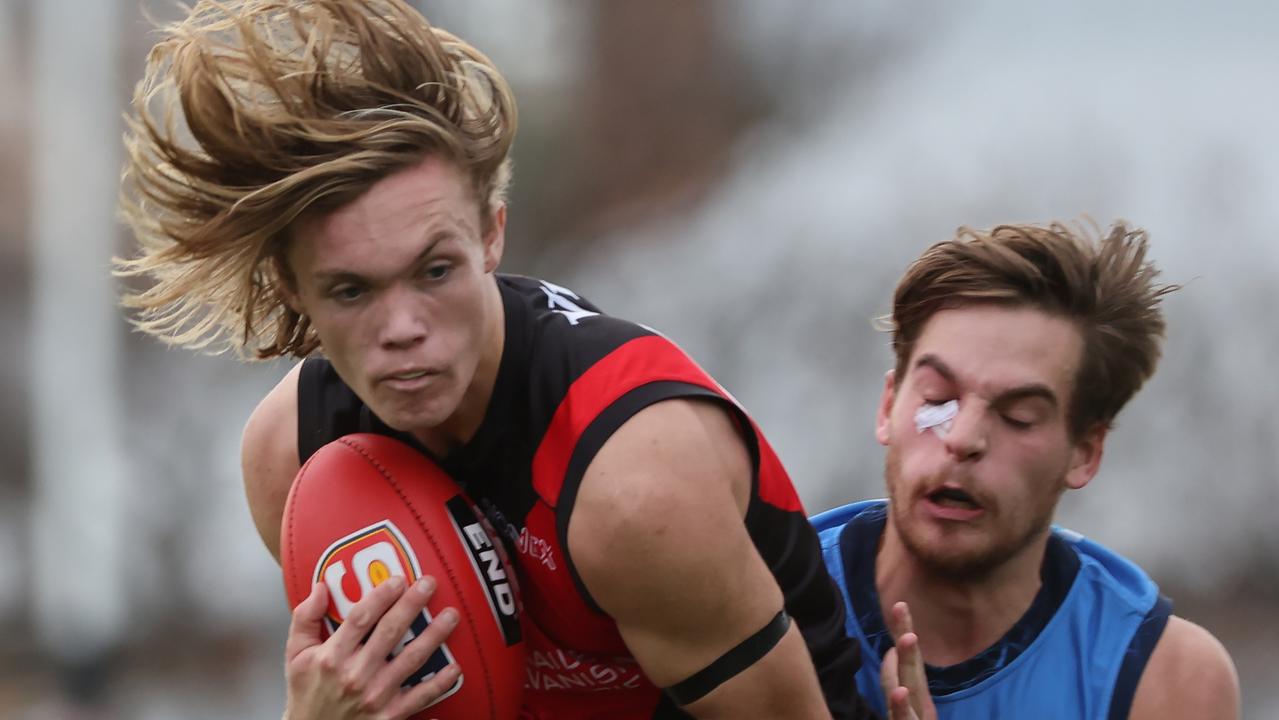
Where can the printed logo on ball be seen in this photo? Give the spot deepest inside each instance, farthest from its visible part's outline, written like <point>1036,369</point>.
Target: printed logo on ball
<point>359,562</point>
<point>489,563</point>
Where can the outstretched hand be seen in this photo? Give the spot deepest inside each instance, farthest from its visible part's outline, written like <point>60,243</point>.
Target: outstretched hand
<point>342,678</point>
<point>902,674</point>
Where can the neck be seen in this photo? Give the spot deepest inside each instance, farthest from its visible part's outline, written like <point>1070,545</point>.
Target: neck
<point>957,618</point>
<point>462,425</point>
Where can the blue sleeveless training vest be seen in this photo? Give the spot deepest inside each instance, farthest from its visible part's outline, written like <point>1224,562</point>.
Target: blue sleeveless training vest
<point>1077,653</point>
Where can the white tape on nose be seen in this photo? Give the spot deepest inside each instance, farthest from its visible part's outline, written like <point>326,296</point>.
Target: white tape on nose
<point>937,418</point>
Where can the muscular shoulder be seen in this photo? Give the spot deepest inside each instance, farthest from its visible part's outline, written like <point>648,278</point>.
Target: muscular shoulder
<point>1189,675</point>
<point>658,516</point>
<point>666,463</point>
<point>269,457</point>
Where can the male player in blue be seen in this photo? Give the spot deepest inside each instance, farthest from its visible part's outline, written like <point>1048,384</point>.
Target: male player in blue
<point>1015,350</point>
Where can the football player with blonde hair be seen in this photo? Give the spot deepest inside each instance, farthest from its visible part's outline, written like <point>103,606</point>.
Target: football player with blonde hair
<point>325,180</point>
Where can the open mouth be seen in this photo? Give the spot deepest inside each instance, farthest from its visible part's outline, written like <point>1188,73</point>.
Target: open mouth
<point>952,497</point>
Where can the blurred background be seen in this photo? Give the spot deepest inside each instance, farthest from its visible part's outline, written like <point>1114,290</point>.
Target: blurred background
<point>749,177</point>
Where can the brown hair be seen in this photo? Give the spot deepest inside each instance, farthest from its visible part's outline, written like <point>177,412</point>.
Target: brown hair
<point>286,107</point>
<point>1104,284</point>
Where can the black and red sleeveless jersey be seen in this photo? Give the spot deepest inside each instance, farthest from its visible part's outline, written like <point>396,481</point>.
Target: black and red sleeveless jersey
<point>569,377</point>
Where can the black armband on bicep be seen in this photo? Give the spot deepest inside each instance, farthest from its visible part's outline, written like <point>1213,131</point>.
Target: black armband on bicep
<point>731,663</point>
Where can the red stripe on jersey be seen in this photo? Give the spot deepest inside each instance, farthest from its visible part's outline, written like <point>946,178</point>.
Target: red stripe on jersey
<point>636,363</point>
<point>775,487</point>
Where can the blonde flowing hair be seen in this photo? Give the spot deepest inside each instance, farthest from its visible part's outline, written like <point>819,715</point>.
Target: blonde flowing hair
<point>253,113</point>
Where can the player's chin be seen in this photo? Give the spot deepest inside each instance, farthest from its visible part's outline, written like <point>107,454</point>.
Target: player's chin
<point>945,544</point>
<point>413,414</point>
<point>967,554</point>
<point>957,562</point>
<point>405,409</point>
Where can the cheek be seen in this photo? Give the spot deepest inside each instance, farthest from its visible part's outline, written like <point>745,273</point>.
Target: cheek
<point>910,465</point>
<point>918,452</point>
<point>340,331</point>
<point>344,352</point>
<point>454,316</point>
<point>901,426</point>
<point>1025,477</point>
<point>346,338</point>
<point>1041,457</point>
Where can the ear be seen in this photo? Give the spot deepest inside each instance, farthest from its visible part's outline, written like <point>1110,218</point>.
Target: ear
<point>495,240</point>
<point>883,416</point>
<point>286,283</point>
<point>1085,457</point>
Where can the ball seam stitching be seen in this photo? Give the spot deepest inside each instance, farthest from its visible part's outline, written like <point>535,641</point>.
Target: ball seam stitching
<point>430,537</point>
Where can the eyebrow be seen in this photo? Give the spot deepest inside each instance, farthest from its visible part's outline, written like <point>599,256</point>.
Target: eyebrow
<point>1006,397</point>
<point>335,276</point>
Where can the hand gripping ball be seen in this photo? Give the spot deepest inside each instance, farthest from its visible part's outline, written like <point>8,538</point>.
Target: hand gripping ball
<point>367,507</point>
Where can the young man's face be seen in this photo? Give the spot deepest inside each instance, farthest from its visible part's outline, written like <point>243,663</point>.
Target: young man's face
<point>970,494</point>
<point>398,287</point>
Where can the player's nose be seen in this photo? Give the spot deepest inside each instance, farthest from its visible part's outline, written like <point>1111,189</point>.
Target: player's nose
<point>402,323</point>
<point>967,437</point>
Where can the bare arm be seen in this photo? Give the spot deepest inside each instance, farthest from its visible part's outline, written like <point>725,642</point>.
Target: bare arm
<point>1189,675</point>
<point>269,457</point>
<point>658,539</point>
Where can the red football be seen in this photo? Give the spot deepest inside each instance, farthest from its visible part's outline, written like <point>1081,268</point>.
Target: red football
<point>366,507</point>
